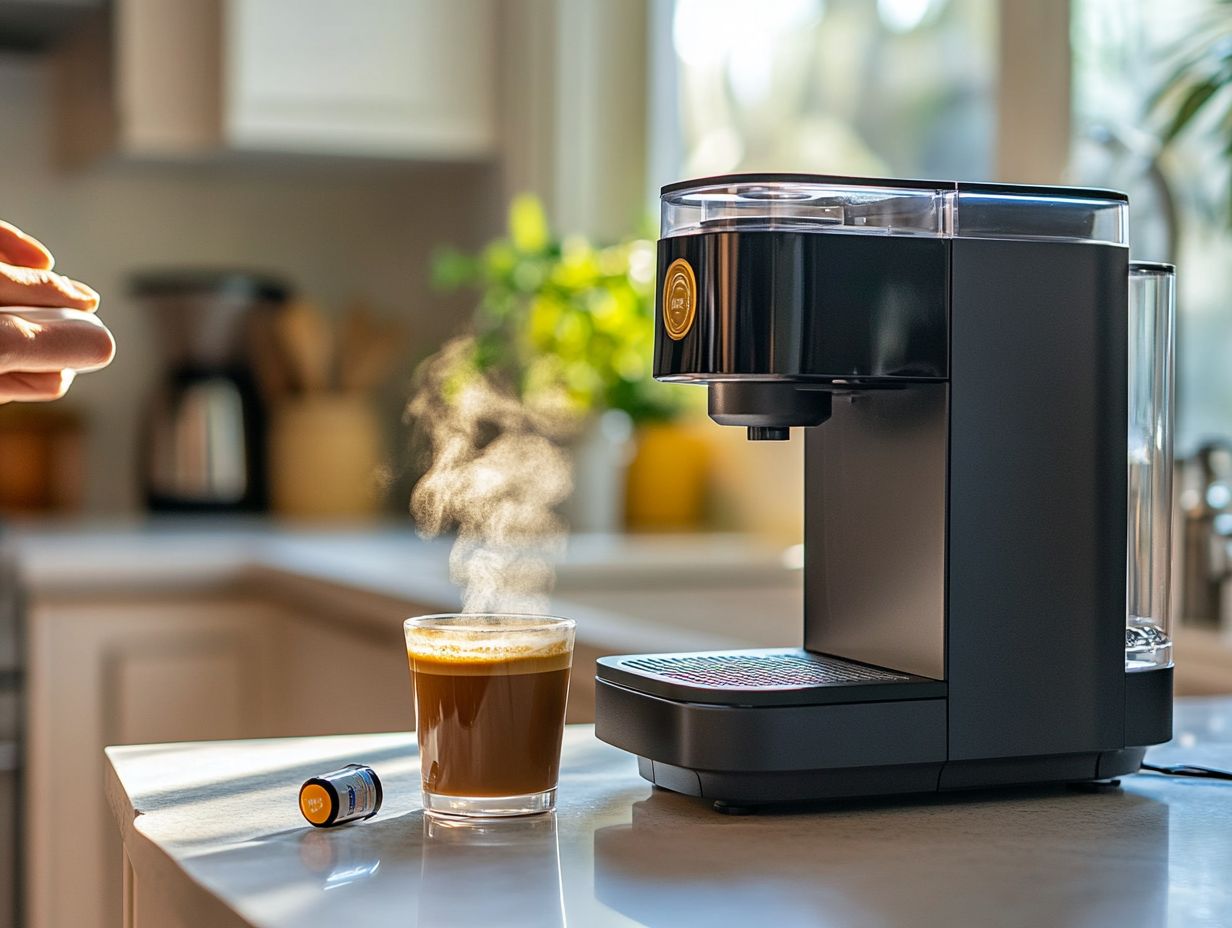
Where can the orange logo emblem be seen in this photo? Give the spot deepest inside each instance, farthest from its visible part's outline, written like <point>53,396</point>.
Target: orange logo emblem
<point>679,299</point>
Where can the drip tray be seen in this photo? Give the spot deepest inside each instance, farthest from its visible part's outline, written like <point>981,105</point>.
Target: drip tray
<point>763,677</point>
<point>762,670</point>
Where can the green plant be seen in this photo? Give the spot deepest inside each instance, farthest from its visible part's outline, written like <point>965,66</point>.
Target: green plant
<point>1197,94</point>
<point>565,325</point>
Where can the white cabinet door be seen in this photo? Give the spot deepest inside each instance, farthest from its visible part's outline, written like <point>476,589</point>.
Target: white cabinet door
<point>157,669</point>
<point>340,680</point>
<point>390,78</point>
<point>127,672</point>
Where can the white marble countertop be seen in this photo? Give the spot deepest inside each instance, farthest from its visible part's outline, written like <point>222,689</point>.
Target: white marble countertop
<point>215,828</point>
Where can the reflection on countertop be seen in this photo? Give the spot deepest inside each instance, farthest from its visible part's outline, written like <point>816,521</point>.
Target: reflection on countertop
<point>618,852</point>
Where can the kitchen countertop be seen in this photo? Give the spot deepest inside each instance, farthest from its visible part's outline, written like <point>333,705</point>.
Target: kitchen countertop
<point>640,593</point>
<point>628,593</point>
<point>214,829</point>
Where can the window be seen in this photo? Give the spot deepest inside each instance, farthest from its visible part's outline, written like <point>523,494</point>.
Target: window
<point>909,88</point>
<point>891,87</point>
<point>1123,51</point>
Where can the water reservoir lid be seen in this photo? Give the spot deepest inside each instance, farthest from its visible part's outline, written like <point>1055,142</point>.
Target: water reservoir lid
<point>882,206</point>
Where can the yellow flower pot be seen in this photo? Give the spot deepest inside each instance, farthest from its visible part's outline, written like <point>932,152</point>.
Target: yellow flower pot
<point>666,484</point>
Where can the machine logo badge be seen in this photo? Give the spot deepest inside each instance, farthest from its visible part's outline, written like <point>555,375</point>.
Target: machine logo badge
<point>679,299</point>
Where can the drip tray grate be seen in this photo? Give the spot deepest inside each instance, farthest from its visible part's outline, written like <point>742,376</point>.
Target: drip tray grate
<point>761,671</point>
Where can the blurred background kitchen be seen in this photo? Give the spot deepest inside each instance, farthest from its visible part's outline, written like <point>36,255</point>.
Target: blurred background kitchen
<point>288,205</point>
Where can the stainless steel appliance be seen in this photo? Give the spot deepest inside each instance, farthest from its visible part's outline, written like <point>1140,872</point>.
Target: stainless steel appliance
<point>985,387</point>
<point>204,441</point>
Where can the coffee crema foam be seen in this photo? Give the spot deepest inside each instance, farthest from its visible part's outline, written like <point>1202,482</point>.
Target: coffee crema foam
<point>465,661</point>
<point>490,644</point>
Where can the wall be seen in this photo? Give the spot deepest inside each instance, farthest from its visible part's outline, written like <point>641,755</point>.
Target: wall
<point>336,229</point>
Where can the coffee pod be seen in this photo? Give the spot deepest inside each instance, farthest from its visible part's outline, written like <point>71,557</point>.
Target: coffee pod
<point>351,793</point>
<point>50,315</point>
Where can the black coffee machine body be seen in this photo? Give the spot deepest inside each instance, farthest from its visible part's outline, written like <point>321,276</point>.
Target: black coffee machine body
<point>961,357</point>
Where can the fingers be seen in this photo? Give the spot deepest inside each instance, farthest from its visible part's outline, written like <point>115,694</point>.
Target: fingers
<point>22,250</point>
<point>50,347</point>
<point>24,286</point>
<point>39,387</point>
<point>39,357</point>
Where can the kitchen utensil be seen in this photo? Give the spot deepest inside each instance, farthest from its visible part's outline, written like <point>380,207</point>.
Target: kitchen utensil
<point>307,346</point>
<point>367,349</point>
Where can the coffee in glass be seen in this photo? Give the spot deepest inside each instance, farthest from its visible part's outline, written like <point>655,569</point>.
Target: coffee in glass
<point>490,693</point>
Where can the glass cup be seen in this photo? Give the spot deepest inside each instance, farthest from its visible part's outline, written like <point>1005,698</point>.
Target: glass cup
<point>490,694</point>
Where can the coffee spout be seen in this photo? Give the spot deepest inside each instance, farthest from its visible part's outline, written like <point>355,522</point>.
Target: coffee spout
<point>767,408</point>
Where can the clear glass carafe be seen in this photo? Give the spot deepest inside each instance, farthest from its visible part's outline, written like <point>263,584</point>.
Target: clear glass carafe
<point>1152,347</point>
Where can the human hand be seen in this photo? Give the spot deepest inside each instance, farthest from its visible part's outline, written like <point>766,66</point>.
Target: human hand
<point>41,352</point>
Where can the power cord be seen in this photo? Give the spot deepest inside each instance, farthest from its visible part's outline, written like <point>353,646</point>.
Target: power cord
<point>1189,770</point>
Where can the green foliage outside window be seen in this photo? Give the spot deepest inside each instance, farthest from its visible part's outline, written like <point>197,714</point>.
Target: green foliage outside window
<point>1197,95</point>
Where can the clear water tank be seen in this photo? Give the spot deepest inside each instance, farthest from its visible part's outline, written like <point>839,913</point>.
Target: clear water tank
<point>1152,352</point>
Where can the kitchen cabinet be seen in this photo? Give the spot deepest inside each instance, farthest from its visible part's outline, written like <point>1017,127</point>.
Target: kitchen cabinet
<point>384,77</point>
<point>162,668</point>
<point>193,79</point>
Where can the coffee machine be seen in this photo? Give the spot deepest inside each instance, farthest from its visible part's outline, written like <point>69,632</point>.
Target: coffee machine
<point>984,385</point>
<point>203,441</point>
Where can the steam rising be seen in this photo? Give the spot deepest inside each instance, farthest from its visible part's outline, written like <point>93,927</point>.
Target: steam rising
<point>495,476</point>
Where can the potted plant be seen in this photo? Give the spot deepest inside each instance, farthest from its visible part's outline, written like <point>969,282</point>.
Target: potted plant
<point>568,328</point>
